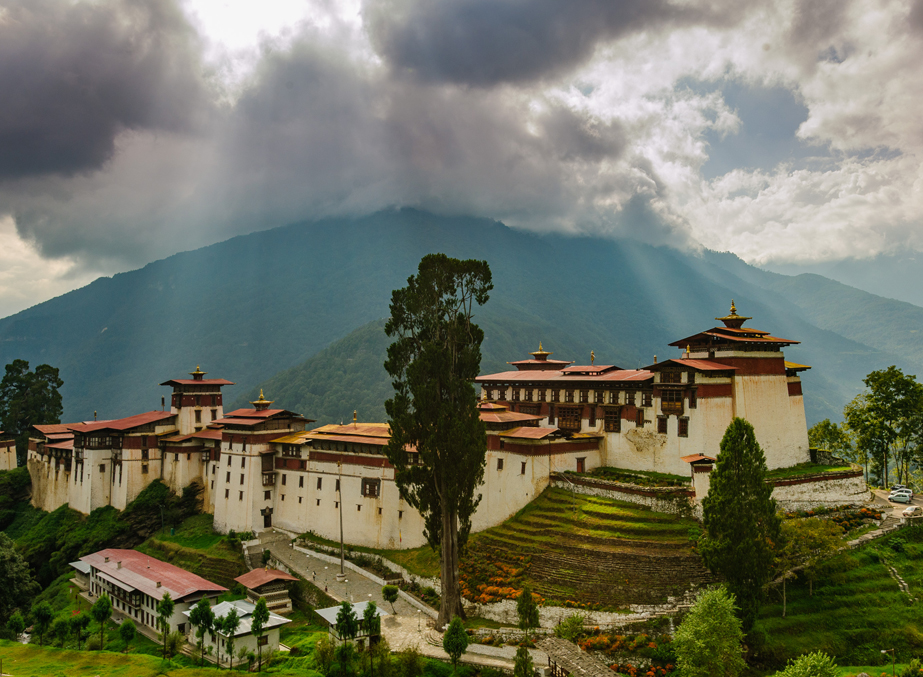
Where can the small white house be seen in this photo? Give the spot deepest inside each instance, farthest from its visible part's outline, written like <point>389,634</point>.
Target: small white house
<point>244,636</point>
<point>365,636</point>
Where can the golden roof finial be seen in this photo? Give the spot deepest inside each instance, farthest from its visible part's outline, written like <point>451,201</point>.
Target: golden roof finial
<point>261,395</point>
<point>592,357</point>
<point>355,416</point>
<point>261,403</point>
<point>733,320</point>
<point>539,346</point>
<point>733,308</point>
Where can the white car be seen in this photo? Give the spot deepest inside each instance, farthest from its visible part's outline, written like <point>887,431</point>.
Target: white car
<point>903,497</point>
<point>911,511</point>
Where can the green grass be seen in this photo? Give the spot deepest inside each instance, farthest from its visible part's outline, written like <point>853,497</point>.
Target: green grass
<point>807,468</point>
<point>197,533</point>
<point>857,608</point>
<point>640,477</point>
<point>421,561</point>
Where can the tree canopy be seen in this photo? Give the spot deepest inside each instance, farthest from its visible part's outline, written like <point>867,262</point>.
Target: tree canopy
<point>16,580</point>
<point>527,610</point>
<point>258,621</point>
<point>707,643</point>
<point>164,613</point>
<point>101,611</point>
<point>455,641</point>
<point>817,664</point>
<point>433,361</point>
<point>28,398</point>
<point>740,520</point>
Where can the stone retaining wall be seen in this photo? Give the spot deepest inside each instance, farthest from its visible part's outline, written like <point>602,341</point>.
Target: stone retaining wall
<point>821,489</point>
<point>672,500</point>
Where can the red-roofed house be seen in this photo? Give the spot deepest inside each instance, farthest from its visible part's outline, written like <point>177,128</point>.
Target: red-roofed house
<point>271,585</point>
<point>136,583</point>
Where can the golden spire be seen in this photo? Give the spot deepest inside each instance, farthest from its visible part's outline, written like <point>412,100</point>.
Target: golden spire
<point>733,320</point>
<point>592,357</point>
<point>540,354</point>
<point>198,373</point>
<point>355,416</point>
<point>261,403</point>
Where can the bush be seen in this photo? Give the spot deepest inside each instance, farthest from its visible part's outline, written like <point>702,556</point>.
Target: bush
<point>408,663</point>
<point>570,628</point>
<point>93,643</point>
<point>913,668</point>
<point>175,642</point>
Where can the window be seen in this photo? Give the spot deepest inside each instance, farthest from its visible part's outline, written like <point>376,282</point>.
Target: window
<point>647,399</point>
<point>299,499</point>
<point>336,504</point>
<point>214,414</point>
<point>569,396</point>
<point>528,395</point>
<point>213,485</point>
<point>555,395</point>
<point>283,479</point>
<point>550,414</point>
<point>229,458</point>
<point>241,497</point>
<point>301,482</point>
<point>281,497</point>
<point>263,641</point>
<point>569,418</point>
<point>671,396</point>
<point>670,377</point>
<point>337,486</point>
<point>241,478</point>
<point>400,514</point>
<point>213,470</point>
<point>371,487</point>
<point>639,419</point>
<point>144,453</point>
<point>318,501</point>
<point>379,511</point>
<point>227,493</point>
<point>102,467</point>
<point>584,397</point>
<point>541,395</point>
<point>243,462</point>
<point>188,456</point>
<point>613,421</point>
<point>662,425</point>
<point>581,465</point>
<point>683,430</point>
<point>499,464</point>
<point>198,416</point>
<point>228,478</point>
<point>515,394</point>
<point>302,465</point>
<point>144,468</point>
<point>176,456</point>
<point>592,421</point>
<point>358,507</point>
<point>522,469</point>
<point>690,377</point>
<point>692,400</point>
<point>319,482</point>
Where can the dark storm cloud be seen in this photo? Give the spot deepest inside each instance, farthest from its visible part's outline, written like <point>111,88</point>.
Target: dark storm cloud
<point>74,75</point>
<point>485,42</point>
<point>915,18</point>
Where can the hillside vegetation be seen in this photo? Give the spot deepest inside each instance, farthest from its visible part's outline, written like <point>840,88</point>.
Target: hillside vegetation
<point>259,304</point>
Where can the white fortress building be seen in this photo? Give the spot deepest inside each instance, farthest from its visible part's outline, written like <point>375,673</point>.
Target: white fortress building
<point>263,467</point>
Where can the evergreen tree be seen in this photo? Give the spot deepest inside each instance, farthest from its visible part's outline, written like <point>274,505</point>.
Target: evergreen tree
<point>390,595</point>
<point>202,618</point>
<point>79,624</point>
<point>16,580</point>
<point>127,632</point>
<point>455,641</point>
<point>16,625</point>
<point>707,643</point>
<point>527,610</point>
<point>433,361</point>
<point>817,664</point>
<point>258,621</point>
<point>231,623</point>
<point>523,667</point>
<point>740,520</point>
<point>101,611</point>
<point>28,398</point>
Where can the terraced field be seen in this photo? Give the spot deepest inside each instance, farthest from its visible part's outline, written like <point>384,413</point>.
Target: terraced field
<point>585,551</point>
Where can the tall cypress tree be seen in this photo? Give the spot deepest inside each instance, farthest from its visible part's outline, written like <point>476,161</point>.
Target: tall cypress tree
<point>434,360</point>
<point>741,525</point>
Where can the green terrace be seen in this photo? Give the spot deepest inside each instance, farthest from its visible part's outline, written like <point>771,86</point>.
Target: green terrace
<point>585,552</point>
<point>807,468</point>
<point>642,478</point>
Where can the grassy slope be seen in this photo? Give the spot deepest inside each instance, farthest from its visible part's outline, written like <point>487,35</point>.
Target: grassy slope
<point>857,608</point>
<point>197,548</point>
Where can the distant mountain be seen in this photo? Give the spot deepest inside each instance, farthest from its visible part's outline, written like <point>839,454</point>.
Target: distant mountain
<point>291,308</point>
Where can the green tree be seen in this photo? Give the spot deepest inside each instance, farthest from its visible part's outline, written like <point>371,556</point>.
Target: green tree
<point>79,625</point>
<point>101,611</point>
<point>16,625</point>
<point>202,618</point>
<point>42,615</point>
<point>165,609</point>
<point>888,421</point>
<point>833,438</point>
<point>16,580</point>
<point>258,621</point>
<point>390,595</point>
<point>527,610</point>
<point>127,632</point>
<point>231,623</point>
<point>28,398</point>
<point>806,543</point>
<point>371,624</point>
<point>433,362</point>
<point>707,643</point>
<point>523,667</point>
<point>347,625</point>
<point>60,630</point>
<point>740,520</point>
<point>817,664</point>
<point>409,662</point>
<point>455,641</point>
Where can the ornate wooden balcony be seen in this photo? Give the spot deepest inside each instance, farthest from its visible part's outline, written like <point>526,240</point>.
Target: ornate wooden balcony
<point>668,408</point>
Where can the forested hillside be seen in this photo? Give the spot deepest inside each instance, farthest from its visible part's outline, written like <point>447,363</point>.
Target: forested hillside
<point>250,308</point>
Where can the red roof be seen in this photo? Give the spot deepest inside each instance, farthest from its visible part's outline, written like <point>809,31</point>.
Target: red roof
<point>237,421</point>
<point>257,577</point>
<point>697,458</point>
<point>49,429</point>
<point>208,434</point>
<point>733,335</point>
<point>589,368</point>
<point>507,417</point>
<point>355,439</point>
<point>142,572</point>
<point>533,361</point>
<point>123,423</point>
<point>616,375</point>
<point>527,433</point>
<point>192,381</point>
<point>698,365</point>
<point>255,413</point>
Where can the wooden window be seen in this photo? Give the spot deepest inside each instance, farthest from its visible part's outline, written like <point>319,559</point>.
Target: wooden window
<point>692,399</point>
<point>337,486</point>
<point>213,485</point>
<point>528,395</point>
<point>569,396</point>
<point>228,478</point>
<point>515,394</point>
<point>281,497</point>
<point>358,507</point>
<point>229,458</point>
<point>400,514</point>
<point>690,377</point>
<point>144,454</point>
<point>670,377</point>
<point>550,414</point>
<point>267,495</point>
<point>227,493</point>
<point>371,487</point>
<point>522,469</point>
<point>198,416</point>
<point>540,395</point>
<point>301,482</point>
<point>581,465</point>
<point>241,496</point>
<point>144,468</point>
<point>647,399</point>
<point>662,425</point>
<point>499,464</point>
<point>284,477</point>
<point>613,421</point>
<point>639,419</point>
<point>683,430</point>
<point>318,502</point>
<point>569,418</point>
<point>243,461</point>
<point>241,478</point>
<point>584,397</point>
<point>320,481</point>
<point>671,396</point>
<point>592,421</point>
<point>299,499</point>
<point>102,467</point>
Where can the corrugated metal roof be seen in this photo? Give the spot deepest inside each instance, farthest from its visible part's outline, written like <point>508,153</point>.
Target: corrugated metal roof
<point>258,577</point>
<point>207,434</point>
<point>728,334</point>
<point>698,365</point>
<point>55,428</point>
<point>355,439</point>
<point>618,375</point>
<point>371,429</point>
<point>589,368</point>
<point>193,382</point>
<point>527,433</point>
<point>507,417</point>
<point>66,445</point>
<point>255,413</point>
<point>695,458</point>
<point>330,613</point>
<point>123,423</point>
<point>143,572</point>
<point>795,366</point>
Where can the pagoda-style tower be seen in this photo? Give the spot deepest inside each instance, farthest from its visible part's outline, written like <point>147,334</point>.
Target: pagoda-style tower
<point>197,400</point>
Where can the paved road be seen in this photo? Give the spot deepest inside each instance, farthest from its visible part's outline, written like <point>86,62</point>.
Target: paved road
<point>895,509</point>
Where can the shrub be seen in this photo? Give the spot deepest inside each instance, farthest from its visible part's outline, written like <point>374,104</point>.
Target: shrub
<point>93,643</point>
<point>570,628</point>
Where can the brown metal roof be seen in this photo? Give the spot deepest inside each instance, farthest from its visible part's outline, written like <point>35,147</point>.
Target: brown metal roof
<point>697,458</point>
<point>698,365</point>
<point>589,368</point>
<point>194,382</point>
<point>49,429</point>
<point>617,375</point>
<point>507,417</point>
<point>257,577</point>
<point>68,444</point>
<point>122,424</point>
<point>238,421</point>
<point>733,335</point>
<point>528,433</point>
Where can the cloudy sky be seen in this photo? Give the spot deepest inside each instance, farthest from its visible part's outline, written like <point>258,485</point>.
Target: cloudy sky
<point>131,129</point>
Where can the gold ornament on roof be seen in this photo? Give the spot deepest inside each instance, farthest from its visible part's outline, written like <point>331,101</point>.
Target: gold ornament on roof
<point>261,403</point>
<point>540,354</point>
<point>592,357</point>
<point>733,320</point>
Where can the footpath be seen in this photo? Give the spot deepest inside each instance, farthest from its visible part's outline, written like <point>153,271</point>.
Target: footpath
<point>405,626</point>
